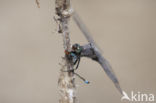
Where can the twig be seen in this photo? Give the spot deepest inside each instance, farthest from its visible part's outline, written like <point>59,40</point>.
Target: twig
<point>66,82</point>
<point>38,3</point>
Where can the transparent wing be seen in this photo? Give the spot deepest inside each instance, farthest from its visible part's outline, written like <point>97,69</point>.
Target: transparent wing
<point>108,69</point>
<point>84,30</point>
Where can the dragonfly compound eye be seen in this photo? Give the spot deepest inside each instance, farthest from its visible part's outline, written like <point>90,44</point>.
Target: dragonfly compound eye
<point>75,46</point>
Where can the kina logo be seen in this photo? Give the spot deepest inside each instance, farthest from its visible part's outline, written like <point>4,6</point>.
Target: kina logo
<point>138,97</point>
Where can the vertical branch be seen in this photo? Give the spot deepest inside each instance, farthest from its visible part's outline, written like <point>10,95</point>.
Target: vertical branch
<point>66,79</point>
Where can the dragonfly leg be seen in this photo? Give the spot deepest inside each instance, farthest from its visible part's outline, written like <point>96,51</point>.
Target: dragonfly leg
<point>76,62</point>
<point>86,81</point>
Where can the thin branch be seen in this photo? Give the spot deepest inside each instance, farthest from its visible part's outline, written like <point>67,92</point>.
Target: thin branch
<point>38,3</point>
<point>66,82</point>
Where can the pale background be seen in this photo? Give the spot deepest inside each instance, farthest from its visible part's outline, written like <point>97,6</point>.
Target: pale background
<point>30,49</point>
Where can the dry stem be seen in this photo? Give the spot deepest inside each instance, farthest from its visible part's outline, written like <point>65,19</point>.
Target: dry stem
<point>66,79</point>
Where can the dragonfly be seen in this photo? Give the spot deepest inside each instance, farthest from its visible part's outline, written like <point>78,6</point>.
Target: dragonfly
<point>90,50</point>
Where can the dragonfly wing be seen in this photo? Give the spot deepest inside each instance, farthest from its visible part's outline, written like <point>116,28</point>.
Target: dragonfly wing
<point>103,62</point>
<point>108,69</point>
<point>84,30</point>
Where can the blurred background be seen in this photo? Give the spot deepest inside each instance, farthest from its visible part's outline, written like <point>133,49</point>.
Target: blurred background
<point>31,49</point>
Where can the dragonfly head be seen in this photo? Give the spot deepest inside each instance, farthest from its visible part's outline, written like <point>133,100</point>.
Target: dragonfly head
<point>77,48</point>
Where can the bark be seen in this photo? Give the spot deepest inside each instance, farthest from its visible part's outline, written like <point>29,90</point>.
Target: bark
<point>66,82</point>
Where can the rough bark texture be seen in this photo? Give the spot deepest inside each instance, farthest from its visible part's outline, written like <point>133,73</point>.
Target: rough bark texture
<point>66,79</point>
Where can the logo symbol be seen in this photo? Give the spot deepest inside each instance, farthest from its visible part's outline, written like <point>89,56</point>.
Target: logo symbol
<point>125,96</point>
